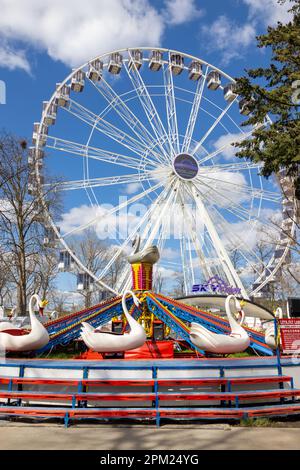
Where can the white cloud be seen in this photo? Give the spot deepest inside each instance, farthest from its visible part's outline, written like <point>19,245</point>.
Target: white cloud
<point>265,230</point>
<point>133,188</point>
<point>13,59</point>
<point>225,142</point>
<point>73,31</point>
<point>215,186</point>
<point>169,253</point>
<point>166,273</point>
<point>268,11</point>
<point>181,11</point>
<point>233,39</point>
<point>228,37</point>
<point>107,226</point>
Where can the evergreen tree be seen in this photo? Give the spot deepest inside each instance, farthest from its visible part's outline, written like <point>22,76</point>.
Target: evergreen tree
<point>275,91</point>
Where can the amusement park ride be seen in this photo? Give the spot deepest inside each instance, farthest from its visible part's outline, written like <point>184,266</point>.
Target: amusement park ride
<point>147,311</point>
<point>163,130</point>
<point>217,203</point>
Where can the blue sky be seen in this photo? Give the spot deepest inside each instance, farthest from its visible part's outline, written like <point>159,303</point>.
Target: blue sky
<point>40,42</point>
<point>31,62</point>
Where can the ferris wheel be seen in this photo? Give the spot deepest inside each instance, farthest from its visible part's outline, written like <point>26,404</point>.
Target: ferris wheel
<point>140,141</point>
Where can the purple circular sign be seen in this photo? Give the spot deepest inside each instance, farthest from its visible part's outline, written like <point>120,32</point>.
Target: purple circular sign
<point>185,166</point>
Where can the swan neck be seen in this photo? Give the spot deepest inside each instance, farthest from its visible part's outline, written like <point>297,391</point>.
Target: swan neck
<point>124,306</point>
<point>34,298</point>
<point>129,318</point>
<point>137,245</point>
<point>233,323</point>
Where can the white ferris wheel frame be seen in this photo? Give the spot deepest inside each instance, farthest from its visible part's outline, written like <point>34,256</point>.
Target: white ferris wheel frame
<point>162,149</point>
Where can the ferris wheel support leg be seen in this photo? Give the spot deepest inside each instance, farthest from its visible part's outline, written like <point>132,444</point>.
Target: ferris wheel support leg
<point>197,244</point>
<point>228,267</point>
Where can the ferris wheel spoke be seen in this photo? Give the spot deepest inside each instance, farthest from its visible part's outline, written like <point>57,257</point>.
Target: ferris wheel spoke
<point>221,149</point>
<point>191,261</point>
<point>239,212</point>
<point>101,182</point>
<point>235,208</point>
<point>122,205</point>
<point>187,264</point>
<point>219,118</point>
<point>190,221</point>
<point>149,108</point>
<point>194,113</point>
<point>235,237</point>
<point>130,119</point>
<point>221,167</point>
<point>257,193</point>
<point>228,267</point>
<point>224,224</point>
<point>171,109</point>
<point>131,236</point>
<point>152,229</point>
<point>165,232</point>
<point>95,153</point>
<point>238,242</point>
<point>163,212</point>
<point>107,128</point>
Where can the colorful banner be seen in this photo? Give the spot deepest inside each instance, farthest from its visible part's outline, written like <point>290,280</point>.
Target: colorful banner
<point>290,334</point>
<point>216,285</point>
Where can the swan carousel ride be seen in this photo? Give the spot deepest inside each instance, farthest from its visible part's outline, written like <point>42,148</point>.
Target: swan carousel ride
<point>160,327</point>
<point>104,341</point>
<point>237,341</point>
<point>16,339</point>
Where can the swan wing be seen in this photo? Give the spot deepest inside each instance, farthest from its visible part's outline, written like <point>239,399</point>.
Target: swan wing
<point>202,341</point>
<point>202,331</point>
<point>87,340</point>
<point>87,327</point>
<point>34,340</point>
<point>5,325</point>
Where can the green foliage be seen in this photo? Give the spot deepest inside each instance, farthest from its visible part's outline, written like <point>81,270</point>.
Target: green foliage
<point>275,91</point>
<point>241,354</point>
<point>256,422</point>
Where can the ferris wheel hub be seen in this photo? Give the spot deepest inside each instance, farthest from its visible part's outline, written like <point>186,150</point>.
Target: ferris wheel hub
<point>185,166</point>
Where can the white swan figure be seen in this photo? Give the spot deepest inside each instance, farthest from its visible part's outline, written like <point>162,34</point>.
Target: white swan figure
<point>111,342</point>
<point>147,255</point>
<point>14,313</point>
<point>241,317</point>
<point>270,330</point>
<point>237,341</point>
<point>7,325</point>
<point>4,325</point>
<point>53,315</point>
<point>36,339</point>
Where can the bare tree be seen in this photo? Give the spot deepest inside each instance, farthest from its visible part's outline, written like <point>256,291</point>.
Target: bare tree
<point>5,281</point>
<point>158,281</point>
<point>179,290</point>
<point>117,268</point>
<point>93,254</point>
<point>44,271</point>
<point>20,217</point>
<point>59,301</point>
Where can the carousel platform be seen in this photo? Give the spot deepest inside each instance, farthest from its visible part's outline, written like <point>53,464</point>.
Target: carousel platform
<point>149,390</point>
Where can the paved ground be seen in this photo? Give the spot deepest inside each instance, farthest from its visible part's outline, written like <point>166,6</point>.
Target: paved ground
<point>171,437</point>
